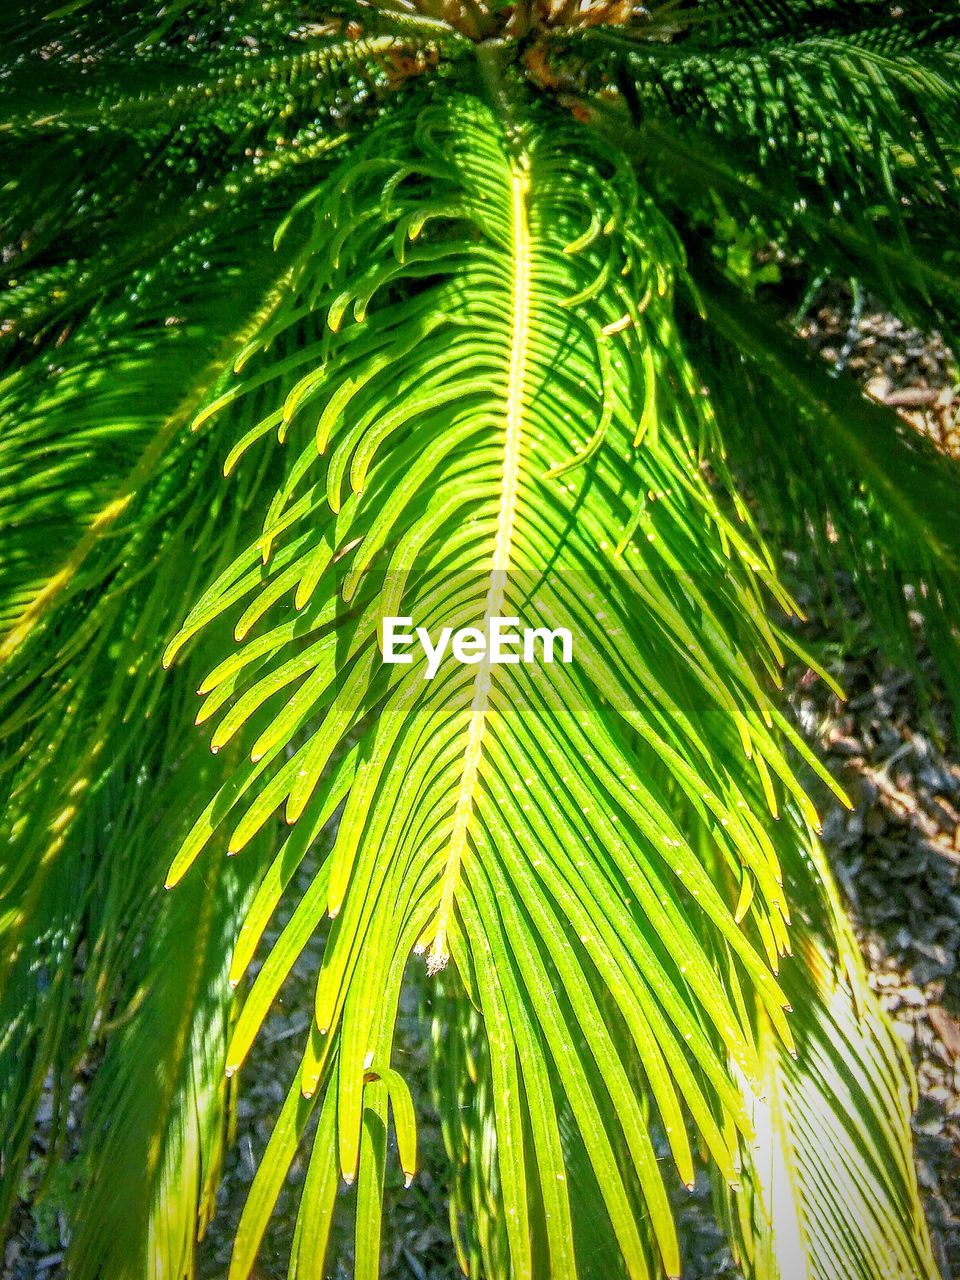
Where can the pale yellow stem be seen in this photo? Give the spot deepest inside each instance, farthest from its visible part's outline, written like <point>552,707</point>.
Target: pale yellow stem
<point>519,185</point>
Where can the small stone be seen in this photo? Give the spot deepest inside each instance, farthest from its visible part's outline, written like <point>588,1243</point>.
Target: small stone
<point>929,1118</point>
<point>911,397</point>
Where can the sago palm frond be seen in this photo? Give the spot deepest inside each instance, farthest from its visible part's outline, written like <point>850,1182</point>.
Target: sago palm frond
<point>846,141</point>
<point>441,784</point>
<point>828,1182</point>
<point>871,497</point>
<point>315,322</point>
<point>160,1099</point>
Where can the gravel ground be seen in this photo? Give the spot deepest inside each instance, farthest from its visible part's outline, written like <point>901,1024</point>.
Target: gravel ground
<point>909,371</point>
<point>897,856</point>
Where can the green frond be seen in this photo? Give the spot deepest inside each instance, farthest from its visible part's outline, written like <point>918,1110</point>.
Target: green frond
<point>844,477</point>
<point>233,91</point>
<point>843,141</point>
<point>500,816</point>
<point>105,499</point>
<point>157,1116</point>
<point>829,1184</point>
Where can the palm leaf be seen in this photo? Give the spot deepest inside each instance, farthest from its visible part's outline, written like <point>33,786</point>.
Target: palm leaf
<point>828,1177</point>
<point>489,819</point>
<point>886,497</point>
<point>844,139</point>
<point>160,1100</point>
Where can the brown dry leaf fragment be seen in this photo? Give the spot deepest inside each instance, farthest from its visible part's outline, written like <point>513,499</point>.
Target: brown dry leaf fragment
<point>538,65</point>
<point>947,1029</point>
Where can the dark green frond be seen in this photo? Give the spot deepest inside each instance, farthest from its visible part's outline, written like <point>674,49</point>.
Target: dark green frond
<point>235,90</point>
<point>843,141</point>
<point>843,476</point>
<point>157,1117</point>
